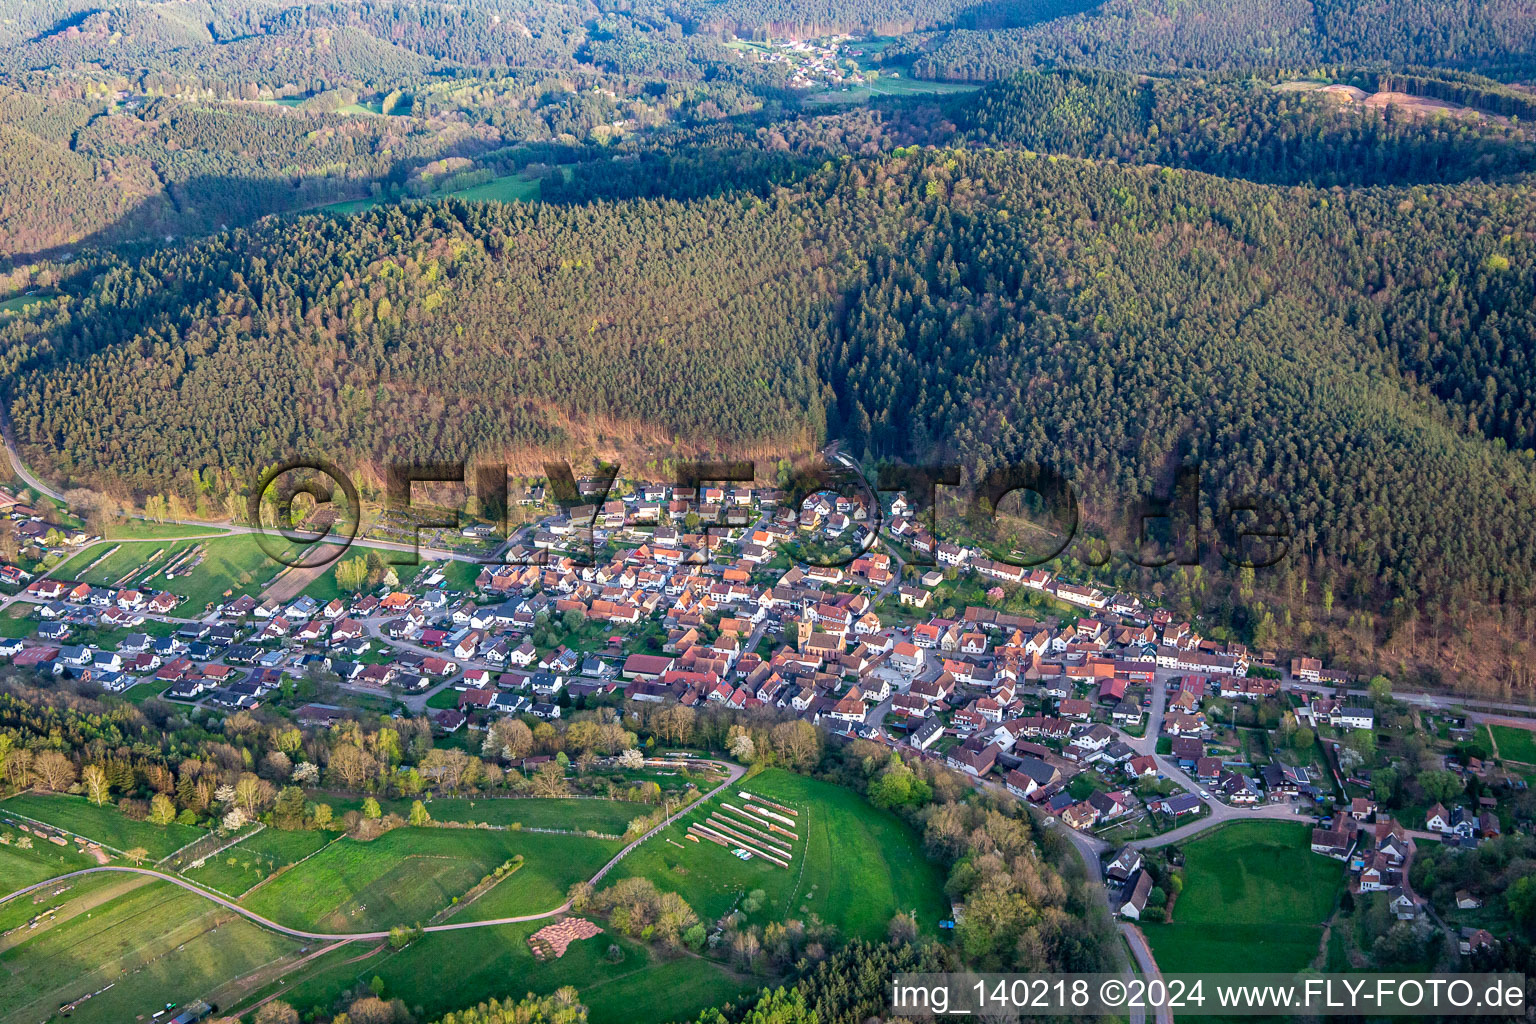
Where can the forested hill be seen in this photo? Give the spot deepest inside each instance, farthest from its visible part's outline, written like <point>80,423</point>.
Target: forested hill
<point>1287,134</point>
<point>429,332</point>
<point>1493,36</point>
<point>984,306</point>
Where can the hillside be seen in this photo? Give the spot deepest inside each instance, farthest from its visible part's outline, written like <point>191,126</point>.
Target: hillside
<point>1484,35</point>
<point>1291,133</point>
<point>982,307</point>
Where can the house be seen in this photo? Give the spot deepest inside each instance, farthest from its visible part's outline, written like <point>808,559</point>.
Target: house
<point>927,734</point>
<point>435,666</point>
<point>1126,713</point>
<point>1030,775</point>
<point>1133,900</point>
<point>1466,901</point>
<point>1404,906</point>
<point>1306,669</point>
<point>1187,751</point>
<point>973,758</point>
<point>907,658</point>
<point>448,720</point>
<point>1334,842</point>
<point>1090,742</point>
<point>1353,718</point>
<point>1074,709</point>
<point>1473,940</point>
<point>1178,806</point>
<point>1377,873</point>
<point>1109,806</point>
<point>1081,815</point>
<point>1238,789</point>
<point>1125,865</point>
<point>1448,823</point>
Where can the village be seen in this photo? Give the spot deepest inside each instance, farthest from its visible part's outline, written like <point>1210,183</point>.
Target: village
<point>1114,720</point>
<point>831,62</point>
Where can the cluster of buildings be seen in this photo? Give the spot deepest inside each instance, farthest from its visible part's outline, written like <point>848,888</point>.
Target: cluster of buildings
<point>728,613</point>
<point>818,63</point>
<point>33,529</point>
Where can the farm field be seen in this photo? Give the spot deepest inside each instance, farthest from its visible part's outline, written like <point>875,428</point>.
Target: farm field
<point>854,866</point>
<point>611,816</point>
<point>645,987</point>
<point>243,865</point>
<point>407,875</point>
<point>152,944</point>
<point>235,564</point>
<point>57,903</point>
<point>21,866</point>
<point>551,865</point>
<point>106,825</point>
<point>1253,893</point>
<point>1515,743</point>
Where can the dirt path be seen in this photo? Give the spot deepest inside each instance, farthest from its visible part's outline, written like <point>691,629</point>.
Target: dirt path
<point>232,992</point>
<point>291,582</point>
<point>735,772</point>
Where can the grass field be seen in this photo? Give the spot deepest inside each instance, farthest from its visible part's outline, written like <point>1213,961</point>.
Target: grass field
<point>644,987</point>
<point>248,862</point>
<point>855,866</point>
<point>18,621</point>
<point>139,529</point>
<point>407,875</point>
<point>1254,893</point>
<point>323,587</point>
<point>152,944</point>
<point>508,188</point>
<point>234,564</point>
<point>887,86</point>
<point>21,866</point>
<point>611,816</point>
<point>551,865</point>
<point>1515,743</point>
<point>67,897</point>
<point>20,303</point>
<point>106,825</point>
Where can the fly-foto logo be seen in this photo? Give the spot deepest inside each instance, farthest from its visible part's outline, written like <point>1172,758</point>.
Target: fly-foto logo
<point>309,511</point>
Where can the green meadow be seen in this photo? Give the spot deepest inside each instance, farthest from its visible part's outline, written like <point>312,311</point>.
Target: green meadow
<point>854,865</point>
<point>1254,893</point>
<point>105,824</point>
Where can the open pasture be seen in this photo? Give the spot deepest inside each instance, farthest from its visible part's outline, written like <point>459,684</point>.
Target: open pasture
<point>852,865</point>
<point>1254,893</point>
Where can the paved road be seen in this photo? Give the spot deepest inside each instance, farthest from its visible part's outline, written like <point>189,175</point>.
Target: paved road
<point>228,526</point>
<point>1220,814</point>
<point>21,467</point>
<point>735,772</point>
<point>1148,966</point>
<point>1419,698</point>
